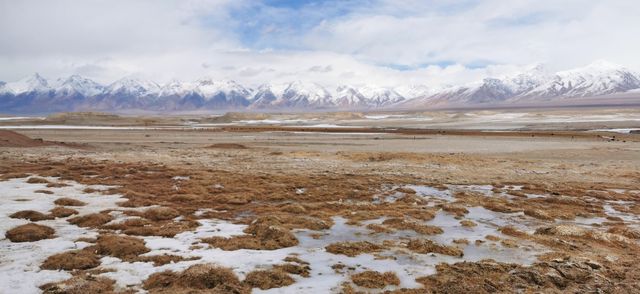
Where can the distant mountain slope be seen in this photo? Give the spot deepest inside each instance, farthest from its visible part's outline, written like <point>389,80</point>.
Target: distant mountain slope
<point>35,94</point>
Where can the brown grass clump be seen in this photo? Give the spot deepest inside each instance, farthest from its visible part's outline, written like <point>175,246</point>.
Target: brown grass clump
<point>81,284</point>
<point>500,207</point>
<point>455,209</point>
<point>265,233</point>
<point>405,190</point>
<point>57,185</point>
<point>60,211</point>
<point>31,215</point>
<point>295,269</point>
<point>375,280</point>
<point>625,231</point>
<point>72,260</point>
<point>268,279</point>
<point>43,192</point>
<point>228,146</point>
<point>425,246</point>
<point>161,213</point>
<point>159,260</point>
<point>37,180</point>
<point>29,233</point>
<point>537,213</point>
<point>352,249</point>
<point>91,220</point>
<point>402,224</point>
<point>69,202</point>
<point>123,247</point>
<point>207,277</point>
<point>294,208</point>
<point>512,231</point>
<point>467,223</point>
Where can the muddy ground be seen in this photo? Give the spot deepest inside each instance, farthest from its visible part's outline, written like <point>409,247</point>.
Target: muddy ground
<point>570,204</point>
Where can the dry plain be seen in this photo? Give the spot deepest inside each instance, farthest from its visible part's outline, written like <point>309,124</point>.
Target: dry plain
<point>323,203</point>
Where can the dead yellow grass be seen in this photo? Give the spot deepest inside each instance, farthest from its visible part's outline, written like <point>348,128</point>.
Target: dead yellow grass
<point>427,246</point>
<point>72,260</point>
<point>268,279</point>
<point>375,280</point>
<point>352,249</point>
<point>123,247</point>
<point>29,233</point>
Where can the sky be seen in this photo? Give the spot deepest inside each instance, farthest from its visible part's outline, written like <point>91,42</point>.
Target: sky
<point>330,42</point>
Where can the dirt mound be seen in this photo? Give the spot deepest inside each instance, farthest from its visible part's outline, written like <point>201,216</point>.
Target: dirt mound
<point>13,139</point>
<point>375,280</point>
<point>207,277</point>
<point>228,146</point>
<point>123,247</point>
<point>31,215</point>
<point>29,233</point>
<point>80,285</point>
<point>268,279</point>
<point>70,260</point>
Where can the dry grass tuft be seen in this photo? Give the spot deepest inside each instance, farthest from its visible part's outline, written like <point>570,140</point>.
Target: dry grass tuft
<point>29,233</point>
<point>31,215</point>
<point>72,260</point>
<point>161,213</point>
<point>80,284</point>
<point>200,278</point>
<point>93,220</point>
<point>352,249</point>
<point>375,280</point>
<point>268,279</point>
<point>402,224</point>
<point>295,269</point>
<point>60,211</point>
<point>123,247</point>
<point>467,223</point>
<point>265,233</point>
<point>37,180</point>
<point>159,260</point>
<point>425,246</point>
<point>69,202</point>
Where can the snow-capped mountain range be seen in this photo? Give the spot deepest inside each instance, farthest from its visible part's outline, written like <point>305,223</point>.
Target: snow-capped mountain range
<point>76,93</point>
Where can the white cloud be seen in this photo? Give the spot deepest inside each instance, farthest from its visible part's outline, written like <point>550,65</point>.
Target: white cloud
<point>342,43</point>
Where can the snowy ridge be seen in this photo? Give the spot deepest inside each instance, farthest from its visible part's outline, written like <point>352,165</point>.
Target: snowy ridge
<point>36,94</point>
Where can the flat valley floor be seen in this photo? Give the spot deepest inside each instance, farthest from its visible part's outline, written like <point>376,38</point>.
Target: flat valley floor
<point>291,211</point>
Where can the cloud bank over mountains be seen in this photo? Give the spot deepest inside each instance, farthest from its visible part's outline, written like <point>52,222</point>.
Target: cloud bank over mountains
<point>385,43</point>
